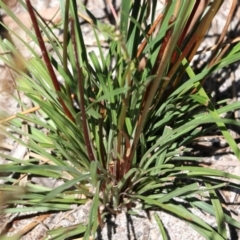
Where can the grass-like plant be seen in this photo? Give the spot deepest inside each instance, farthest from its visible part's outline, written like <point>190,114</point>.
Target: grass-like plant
<point>116,130</point>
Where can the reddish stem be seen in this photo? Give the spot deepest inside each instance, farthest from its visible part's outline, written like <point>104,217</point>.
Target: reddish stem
<point>158,61</point>
<point>81,95</point>
<point>46,58</point>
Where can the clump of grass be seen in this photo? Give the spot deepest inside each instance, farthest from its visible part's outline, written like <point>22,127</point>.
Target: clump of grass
<point>138,106</point>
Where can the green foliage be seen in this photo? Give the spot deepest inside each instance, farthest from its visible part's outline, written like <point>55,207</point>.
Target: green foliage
<point>138,106</point>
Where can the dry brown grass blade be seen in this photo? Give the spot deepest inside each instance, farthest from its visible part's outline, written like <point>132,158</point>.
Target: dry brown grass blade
<point>200,7</point>
<point>171,42</point>
<point>215,57</point>
<point>150,32</point>
<point>230,42</point>
<point>190,50</point>
<point>203,28</point>
<point>193,44</point>
<point>31,225</point>
<point>109,2</point>
<point>34,109</point>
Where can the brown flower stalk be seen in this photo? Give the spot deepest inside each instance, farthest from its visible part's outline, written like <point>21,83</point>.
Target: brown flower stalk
<point>47,59</point>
